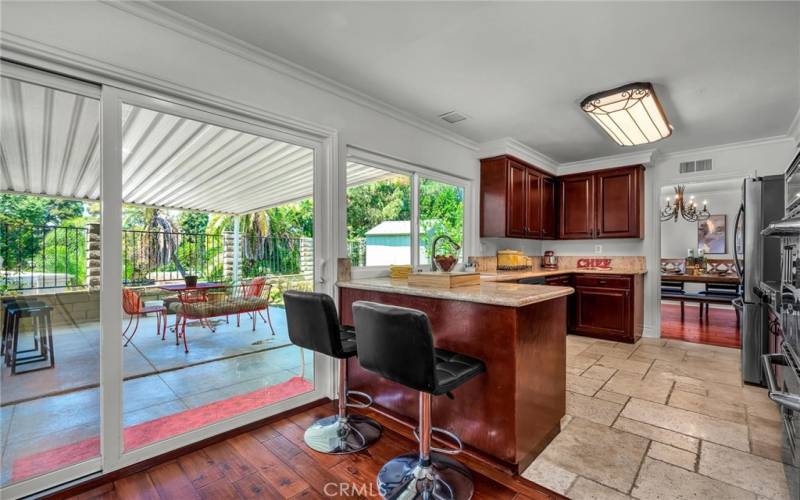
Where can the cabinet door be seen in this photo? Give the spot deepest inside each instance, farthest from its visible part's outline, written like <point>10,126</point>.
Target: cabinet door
<point>603,311</point>
<point>533,225</point>
<point>549,208</point>
<point>517,200</point>
<point>577,207</point>
<point>618,203</point>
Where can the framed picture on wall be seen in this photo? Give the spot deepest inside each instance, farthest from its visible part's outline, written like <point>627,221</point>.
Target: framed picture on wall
<point>712,235</point>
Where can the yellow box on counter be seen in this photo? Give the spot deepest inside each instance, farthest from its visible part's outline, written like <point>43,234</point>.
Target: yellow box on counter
<point>444,280</point>
<point>511,260</point>
<point>399,272</point>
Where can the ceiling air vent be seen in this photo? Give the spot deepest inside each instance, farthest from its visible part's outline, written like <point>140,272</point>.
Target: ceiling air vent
<point>688,167</point>
<point>453,117</point>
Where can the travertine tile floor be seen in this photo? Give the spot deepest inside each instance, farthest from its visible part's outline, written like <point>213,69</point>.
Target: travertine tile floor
<point>664,419</point>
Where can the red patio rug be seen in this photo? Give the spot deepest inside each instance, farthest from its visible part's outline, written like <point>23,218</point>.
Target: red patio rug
<point>145,433</point>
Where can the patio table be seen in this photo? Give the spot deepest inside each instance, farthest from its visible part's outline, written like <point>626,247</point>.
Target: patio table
<point>209,286</point>
<point>179,287</point>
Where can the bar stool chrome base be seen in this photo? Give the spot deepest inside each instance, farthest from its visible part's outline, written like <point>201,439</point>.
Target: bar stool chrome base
<point>338,435</point>
<point>404,477</point>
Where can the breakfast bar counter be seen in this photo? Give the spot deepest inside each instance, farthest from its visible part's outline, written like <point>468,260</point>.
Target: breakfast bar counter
<point>507,415</point>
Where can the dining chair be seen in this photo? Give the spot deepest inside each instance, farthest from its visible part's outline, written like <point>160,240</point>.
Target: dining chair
<point>134,307</point>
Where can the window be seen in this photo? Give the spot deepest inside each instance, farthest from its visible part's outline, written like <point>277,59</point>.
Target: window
<point>441,212</point>
<point>378,216</point>
<point>393,207</point>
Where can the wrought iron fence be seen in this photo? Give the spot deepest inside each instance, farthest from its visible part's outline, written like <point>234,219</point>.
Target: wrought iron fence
<point>42,256</point>
<point>38,257</point>
<point>152,256</point>
<point>357,251</point>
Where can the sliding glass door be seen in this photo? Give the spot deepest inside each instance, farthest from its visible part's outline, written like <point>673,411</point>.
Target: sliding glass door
<point>49,281</point>
<point>145,245</point>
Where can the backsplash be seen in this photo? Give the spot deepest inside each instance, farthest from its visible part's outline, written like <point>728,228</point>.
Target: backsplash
<point>620,262</point>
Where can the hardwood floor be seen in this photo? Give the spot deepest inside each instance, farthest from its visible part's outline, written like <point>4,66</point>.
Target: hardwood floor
<point>718,327</point>
<point>274,462</point>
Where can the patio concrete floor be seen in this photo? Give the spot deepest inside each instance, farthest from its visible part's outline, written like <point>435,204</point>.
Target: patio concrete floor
<point>161,380</point>
<point>77,353</point>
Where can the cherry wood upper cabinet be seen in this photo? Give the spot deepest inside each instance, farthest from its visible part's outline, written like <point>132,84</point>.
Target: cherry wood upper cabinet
<point>517,200</point>
<point>512,200</point>
<point>576,219</point>
<point>603,204</point>
<point>549,208</point>
<point>533,219</point>
<point>620,203</point>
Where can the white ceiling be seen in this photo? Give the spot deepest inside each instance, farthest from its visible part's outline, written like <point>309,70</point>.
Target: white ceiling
<point>726,72</point>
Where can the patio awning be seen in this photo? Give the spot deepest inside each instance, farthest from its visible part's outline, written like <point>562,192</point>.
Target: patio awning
<point>49,145</point>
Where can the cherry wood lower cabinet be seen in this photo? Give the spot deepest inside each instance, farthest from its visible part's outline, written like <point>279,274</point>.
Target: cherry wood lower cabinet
<point>505,416</point>
<point>608,307</point>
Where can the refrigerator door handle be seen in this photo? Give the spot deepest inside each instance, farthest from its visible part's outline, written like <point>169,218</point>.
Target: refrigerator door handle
<point>738,264</point>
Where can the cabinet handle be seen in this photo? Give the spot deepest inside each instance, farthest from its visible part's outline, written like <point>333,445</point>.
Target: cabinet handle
<point>603,282</point>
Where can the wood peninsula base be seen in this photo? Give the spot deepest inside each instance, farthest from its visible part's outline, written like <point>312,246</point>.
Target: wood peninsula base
<point>505,416</point>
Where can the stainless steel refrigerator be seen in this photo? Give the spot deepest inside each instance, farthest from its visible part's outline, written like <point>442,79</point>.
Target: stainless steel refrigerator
<point>757,259</point>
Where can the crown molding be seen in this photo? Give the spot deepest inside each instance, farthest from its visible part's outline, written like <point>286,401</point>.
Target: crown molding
<point>511,146</point>
<point>708,150</point>
<point>794,129</point>
<point>186,26</point>
<point>639,157</point>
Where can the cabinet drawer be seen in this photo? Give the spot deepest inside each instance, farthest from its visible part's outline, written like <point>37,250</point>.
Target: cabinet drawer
<point>604,281</point>
<point>558,280</point>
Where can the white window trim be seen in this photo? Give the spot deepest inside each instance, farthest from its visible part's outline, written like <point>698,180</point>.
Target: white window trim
<point>416,173</point>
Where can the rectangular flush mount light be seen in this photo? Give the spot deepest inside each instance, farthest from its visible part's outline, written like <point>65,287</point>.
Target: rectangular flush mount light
<point>630,114</point>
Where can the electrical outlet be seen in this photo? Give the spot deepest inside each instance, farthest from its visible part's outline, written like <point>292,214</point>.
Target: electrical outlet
<point>598,249</point>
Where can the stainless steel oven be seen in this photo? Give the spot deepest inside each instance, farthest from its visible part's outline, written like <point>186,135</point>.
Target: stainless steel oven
<point>792,198</point>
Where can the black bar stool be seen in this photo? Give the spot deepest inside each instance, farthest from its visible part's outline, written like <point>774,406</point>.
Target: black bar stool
<point>313,325</point>
<point>397,344</point>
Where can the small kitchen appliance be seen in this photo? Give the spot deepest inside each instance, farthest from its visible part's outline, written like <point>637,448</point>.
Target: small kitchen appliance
<point>549,260</point>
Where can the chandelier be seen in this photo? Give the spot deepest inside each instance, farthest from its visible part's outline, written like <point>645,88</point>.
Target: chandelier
<point>681,207</point>
<point>630,115</point>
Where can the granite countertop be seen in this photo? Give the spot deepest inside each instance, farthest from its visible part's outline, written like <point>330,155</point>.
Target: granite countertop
<point>499,294</point>
<point>516,275</point>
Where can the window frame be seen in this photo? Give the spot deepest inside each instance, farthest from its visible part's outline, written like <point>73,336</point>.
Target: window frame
<point>415,173</point>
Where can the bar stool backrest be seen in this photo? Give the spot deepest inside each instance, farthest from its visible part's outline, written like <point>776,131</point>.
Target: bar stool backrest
<point>313,323</point>
<point>396,343</point>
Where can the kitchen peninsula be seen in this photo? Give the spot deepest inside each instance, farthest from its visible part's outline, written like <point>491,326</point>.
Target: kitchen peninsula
<point>511,412</point>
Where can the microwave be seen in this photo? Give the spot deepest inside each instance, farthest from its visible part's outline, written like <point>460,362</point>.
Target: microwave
<point>792,180</point>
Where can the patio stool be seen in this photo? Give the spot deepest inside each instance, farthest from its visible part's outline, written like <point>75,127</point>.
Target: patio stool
<point>15,301</point>
<point>42,326</point>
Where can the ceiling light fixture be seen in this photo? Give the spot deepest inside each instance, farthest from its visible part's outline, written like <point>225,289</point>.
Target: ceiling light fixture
<point>630,114</point>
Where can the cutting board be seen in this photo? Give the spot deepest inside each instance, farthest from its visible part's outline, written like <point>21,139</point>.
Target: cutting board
<point>444,280</point>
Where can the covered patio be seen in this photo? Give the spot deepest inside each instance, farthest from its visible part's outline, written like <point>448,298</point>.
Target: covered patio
<point>49,415</point>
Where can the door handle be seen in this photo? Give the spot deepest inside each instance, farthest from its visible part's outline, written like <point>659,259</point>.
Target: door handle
<point>787,399</point>
<point>321,279</point>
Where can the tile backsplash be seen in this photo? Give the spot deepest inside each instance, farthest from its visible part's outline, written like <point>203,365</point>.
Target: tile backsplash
<point>488,264</point>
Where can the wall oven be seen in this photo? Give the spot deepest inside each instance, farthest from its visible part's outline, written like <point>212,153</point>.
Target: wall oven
<point>782,365</point>
<point>792,198</point>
